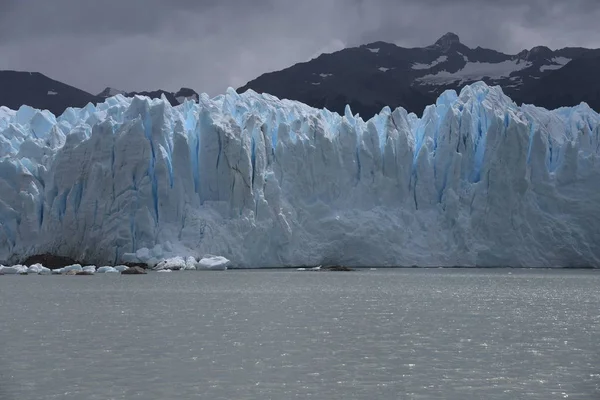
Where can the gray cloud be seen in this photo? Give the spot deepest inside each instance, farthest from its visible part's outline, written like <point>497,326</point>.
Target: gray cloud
<point>211,44</point>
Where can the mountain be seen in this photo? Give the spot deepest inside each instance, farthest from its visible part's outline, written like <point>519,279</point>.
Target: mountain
<point>381,74</point>
<point>477,181</point>
<point>39,91</point>
<point>577,81</point>
<point>372,76</point>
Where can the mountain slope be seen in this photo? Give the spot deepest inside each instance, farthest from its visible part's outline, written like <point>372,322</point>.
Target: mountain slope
<point>378,74</point>
<point>576,82</point>
<point>39,91</point>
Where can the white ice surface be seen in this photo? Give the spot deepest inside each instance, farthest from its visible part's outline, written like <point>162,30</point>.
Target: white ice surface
<point>268,182</point>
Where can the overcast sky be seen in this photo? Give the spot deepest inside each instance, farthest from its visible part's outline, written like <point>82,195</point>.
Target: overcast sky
<point>209,45</point>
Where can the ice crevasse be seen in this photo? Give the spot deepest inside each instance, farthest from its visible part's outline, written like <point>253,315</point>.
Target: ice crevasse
<point>477,180</point>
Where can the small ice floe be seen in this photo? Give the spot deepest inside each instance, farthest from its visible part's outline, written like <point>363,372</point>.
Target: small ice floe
<point>173,264</point>
<point>107,270</point>
<point>14,270</point>
<point>164,270</point>
<point>74,267</point>
<point>301,269</point>
<point>90,268</point>
<point>38,269</point>
<point>213,263</point>
<point>121,268</point>
<point>373,269</point>
<point>316,268</point>
<point>191,263</point>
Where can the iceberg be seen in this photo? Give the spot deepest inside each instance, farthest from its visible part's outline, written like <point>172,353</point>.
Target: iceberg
<point>175,263</point>
<point>107,270</point>
<point>264,182</point>
<point>14,270</point>
<point>69,268</point>
<point>38,269</point>
<point>213,263</point>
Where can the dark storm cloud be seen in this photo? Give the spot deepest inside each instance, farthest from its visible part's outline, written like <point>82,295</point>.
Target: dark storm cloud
<point>211,44</point>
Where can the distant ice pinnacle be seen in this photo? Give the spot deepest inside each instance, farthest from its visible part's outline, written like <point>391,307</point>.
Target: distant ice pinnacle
<point>446,41</point>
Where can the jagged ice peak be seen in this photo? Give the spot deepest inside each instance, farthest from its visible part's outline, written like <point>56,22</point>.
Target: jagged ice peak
<point>477,180</point>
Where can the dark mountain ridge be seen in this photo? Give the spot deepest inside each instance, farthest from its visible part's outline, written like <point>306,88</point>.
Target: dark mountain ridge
<point>372,76</point>
<point>380,74</point>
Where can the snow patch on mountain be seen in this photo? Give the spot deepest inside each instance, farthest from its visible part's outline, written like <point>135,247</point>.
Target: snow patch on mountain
<point>267,182</point>
<point>559,62</point>
<point>474,71</point>
<point>439,60</point>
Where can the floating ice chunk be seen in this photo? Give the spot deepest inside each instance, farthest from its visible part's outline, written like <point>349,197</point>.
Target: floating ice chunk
<point>106,270</point>
<point>57,271</point>
<point>15,269</point>
<point>38,269</point>
<point>190,263</point>
<point>74,267</point>
<point>121,268</point>
<point>90,268</point>
<point>164,270</point>
<point>301,269</point>
<point>35,269</point>
<point>213,262</point>
<point>175,263</point>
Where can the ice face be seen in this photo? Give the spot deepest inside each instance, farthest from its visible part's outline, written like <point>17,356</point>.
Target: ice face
<point>267,182</point>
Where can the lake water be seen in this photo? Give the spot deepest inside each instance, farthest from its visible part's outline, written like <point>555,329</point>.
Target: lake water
<point>384,334</point>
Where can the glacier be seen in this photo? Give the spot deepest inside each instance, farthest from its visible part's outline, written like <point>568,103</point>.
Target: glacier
<point>264,182</point>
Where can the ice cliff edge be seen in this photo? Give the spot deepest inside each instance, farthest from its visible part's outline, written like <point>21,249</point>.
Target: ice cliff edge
<point>267,182</point>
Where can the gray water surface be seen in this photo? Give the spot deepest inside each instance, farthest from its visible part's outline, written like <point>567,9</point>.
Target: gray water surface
<point>385,334</point>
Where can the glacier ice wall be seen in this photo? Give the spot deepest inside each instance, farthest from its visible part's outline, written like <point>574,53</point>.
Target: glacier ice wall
<point>267,182</point>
